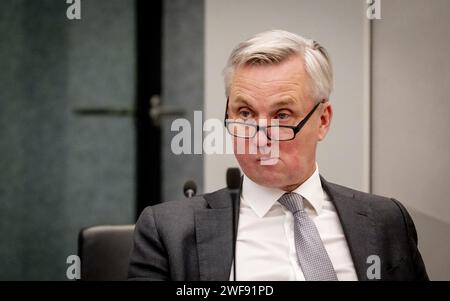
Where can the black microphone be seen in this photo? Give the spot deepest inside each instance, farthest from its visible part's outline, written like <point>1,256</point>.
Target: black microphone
<point>233,185</point>
<point>190,189</point>
<point>233,182</point>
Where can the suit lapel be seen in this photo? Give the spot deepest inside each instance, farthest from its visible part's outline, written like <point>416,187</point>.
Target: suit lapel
<point>214,234</point>
<point>359,228</point>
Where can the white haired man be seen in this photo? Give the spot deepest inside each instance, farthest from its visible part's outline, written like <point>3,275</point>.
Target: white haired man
<point>291,224</point>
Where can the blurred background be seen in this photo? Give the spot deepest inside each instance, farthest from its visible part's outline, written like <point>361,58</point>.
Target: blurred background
<point>86,107</point>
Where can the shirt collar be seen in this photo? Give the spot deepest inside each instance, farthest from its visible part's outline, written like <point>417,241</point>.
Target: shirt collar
<point>312,191</point>
<point>261,199</point>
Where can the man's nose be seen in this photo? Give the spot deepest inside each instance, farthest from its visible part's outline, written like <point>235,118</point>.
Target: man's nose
<point>261,139</point>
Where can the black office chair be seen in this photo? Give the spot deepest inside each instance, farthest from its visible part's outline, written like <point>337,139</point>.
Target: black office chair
<point>104,252</point>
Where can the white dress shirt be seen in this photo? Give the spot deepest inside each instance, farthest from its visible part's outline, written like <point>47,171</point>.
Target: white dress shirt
<point>265,248</point>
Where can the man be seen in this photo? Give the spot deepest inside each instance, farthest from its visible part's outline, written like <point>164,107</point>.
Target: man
<point>291,224</point>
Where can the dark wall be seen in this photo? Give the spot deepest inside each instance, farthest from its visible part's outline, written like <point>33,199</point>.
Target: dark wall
<point>60,171</point>
<point>183,88</point>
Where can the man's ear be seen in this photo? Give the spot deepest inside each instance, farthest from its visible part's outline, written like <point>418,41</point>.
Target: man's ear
<point>325,120</point>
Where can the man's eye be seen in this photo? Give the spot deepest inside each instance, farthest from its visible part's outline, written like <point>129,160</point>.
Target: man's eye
<point>282,116</point>
<point>245,114</point>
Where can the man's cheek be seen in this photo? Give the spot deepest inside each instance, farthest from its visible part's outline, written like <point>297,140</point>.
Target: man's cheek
<point>286,151</point>
<point>245,161</point>
<point>243,147</point>
<point>290,156</point>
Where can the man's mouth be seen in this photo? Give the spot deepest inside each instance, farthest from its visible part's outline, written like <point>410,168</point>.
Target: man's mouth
<point>268,160</point>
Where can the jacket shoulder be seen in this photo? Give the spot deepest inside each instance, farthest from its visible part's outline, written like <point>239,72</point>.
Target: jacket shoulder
<point>375,201</point>
<point>386,211</point>
<point>183,209</point>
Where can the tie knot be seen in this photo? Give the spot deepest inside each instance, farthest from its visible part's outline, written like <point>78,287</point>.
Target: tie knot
<point>292,201</point>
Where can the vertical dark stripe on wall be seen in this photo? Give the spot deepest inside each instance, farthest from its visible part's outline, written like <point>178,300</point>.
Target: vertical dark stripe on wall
<point>148,148</point>
<point>371,106</point>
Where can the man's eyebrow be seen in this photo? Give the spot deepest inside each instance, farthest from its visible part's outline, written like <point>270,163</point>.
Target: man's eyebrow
<point>284,102</point>
<point>240,100</point>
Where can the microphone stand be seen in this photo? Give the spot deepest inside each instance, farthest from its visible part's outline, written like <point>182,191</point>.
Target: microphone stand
<point>234,184</point>
<point>235,195</point>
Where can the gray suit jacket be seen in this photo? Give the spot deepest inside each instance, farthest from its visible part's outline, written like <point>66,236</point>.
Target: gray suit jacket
<point>193,239</point>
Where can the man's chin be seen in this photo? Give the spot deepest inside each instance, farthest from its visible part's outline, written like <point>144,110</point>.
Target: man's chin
<point>270,183</point>
<point>265,178</point>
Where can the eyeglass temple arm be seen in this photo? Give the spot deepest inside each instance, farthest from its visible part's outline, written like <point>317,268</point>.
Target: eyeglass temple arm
<point>304,120</point>
<point>226,113</point>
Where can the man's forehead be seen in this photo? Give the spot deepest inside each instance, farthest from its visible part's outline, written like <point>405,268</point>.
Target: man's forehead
<point>293,65</point>
<point>288,78</point>
<point>283,93</point>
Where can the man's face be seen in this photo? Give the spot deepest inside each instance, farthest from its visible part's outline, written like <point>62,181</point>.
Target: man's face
<point>280,92</point>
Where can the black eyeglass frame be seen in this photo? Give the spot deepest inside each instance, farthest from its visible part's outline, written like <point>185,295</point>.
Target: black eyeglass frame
<point>296,129</point>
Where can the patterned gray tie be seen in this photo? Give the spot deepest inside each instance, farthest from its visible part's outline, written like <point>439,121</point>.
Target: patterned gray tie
<point>311,253</point>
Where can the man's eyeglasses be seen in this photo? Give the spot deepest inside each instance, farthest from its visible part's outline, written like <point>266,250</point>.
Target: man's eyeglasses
<point>273,132</point>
